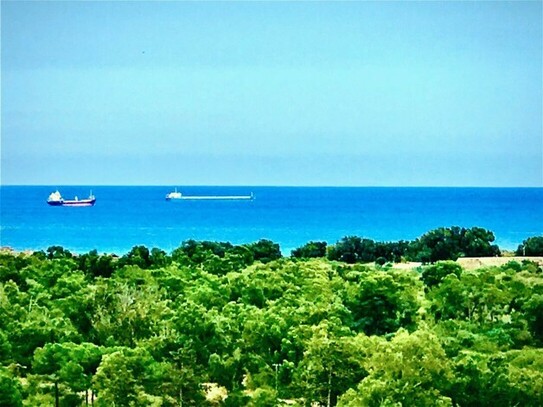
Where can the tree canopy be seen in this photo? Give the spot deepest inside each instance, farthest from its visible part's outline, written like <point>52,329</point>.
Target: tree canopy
<point>213,323</point>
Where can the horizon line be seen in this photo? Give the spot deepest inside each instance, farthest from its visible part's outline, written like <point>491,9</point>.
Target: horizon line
<point>271,186</point>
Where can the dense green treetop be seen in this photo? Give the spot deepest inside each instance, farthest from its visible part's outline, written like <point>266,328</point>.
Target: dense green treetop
<point>532,246</point>
<point>218,324</point>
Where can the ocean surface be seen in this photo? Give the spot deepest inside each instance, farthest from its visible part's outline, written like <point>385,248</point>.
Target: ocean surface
<point>291,216</point>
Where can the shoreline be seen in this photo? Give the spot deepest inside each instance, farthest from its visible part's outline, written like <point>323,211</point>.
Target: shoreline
<point>467,263</point>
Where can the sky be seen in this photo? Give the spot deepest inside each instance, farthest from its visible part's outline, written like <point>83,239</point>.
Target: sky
<point>272,93</point>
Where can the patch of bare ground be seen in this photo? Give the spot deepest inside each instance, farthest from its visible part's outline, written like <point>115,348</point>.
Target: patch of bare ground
<point>471,263</point>
<point>407,265</point>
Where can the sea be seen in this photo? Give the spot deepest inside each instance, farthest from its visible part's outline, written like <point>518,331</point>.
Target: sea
<point>126,216</point>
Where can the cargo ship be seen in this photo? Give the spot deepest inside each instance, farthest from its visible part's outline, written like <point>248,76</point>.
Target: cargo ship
<point>55,199</point>
<point>173,196</point>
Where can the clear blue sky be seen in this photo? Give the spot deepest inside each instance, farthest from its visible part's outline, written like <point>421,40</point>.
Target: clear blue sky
<point>257,93</point>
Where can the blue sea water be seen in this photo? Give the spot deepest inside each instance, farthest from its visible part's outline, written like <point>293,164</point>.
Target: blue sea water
<point>291,216</point>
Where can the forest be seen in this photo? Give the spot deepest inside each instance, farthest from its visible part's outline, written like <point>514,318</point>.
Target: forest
<point>217,324</point>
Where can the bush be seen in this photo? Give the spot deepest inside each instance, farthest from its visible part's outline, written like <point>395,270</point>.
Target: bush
<point>435,274</point>
<point>380,261</point>
<point>533,246</point>
<point>452,243</point>
<point>353,249</point>
<point>265,250</point>
<point>310,250</point>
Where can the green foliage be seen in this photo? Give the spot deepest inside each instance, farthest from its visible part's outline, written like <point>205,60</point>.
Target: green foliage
<point>451,243</point>
<point>11,265</point>
<point>380,261</point>
<point>96,265</point>
<point>127,377</point>
<point>310,250</point>
<point>137,256</point>
<point>532,246</point>
<point>153,329</point>
<point>439,244</point>
<point>197,251</point>
<point>10,389</point>
<point>391,251</point>
<point>503,378</point>
<point>58,252</point>
<point>381,302</point>
<point>332,362</point>
<point>215,257</point>
<point>435,274</point>
<point>265,250</point>
<point>263,397</point>
<point>410,370</point>
<point>533,308</point>
<point>353,249</point>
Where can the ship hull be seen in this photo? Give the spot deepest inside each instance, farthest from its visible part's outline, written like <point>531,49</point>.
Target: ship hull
<point>177,196</point>
<point>78,203</point>
<point>216,198</point>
